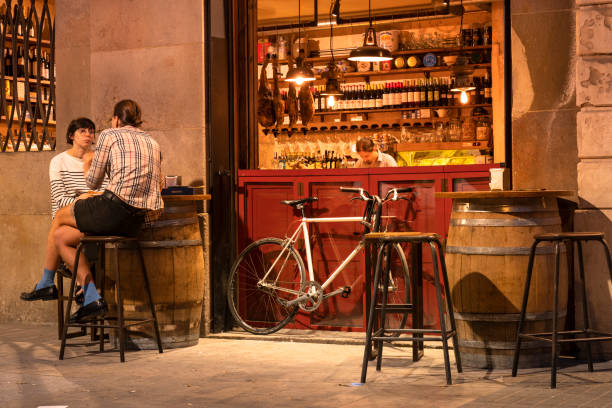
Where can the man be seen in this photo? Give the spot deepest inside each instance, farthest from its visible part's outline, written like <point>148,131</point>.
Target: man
<point>370,156</point>
<point>132,161</point>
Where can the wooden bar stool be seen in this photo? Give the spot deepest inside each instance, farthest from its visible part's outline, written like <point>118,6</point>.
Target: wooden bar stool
<point>589,334</point>
<point>385,240</point>
<point>112,243</point>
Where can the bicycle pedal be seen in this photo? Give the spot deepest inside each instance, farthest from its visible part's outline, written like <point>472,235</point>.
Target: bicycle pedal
<point>346,292</point>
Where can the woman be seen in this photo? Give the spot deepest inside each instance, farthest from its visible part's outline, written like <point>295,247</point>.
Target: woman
<point>67,185</point>
<point>131,159</point>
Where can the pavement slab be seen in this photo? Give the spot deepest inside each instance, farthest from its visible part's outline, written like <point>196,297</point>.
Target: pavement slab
<point>287,370</point>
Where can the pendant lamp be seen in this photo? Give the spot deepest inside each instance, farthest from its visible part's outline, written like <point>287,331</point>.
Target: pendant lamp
<point>300,73</point>
<point>460,70</point>
<point>332,84</point>
<point>370,51</point>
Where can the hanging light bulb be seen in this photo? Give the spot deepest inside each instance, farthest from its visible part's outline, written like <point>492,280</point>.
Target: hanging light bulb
<point>463,97</point>
<point>300,73</point>
<point>461,71</point>
<point>370,51</point>
<point>331,101</point>
<point>332,84</point>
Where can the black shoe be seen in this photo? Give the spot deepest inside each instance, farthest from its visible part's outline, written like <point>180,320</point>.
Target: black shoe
<point>80,298</point>
<point>48,293</point>
<point>90,311</point>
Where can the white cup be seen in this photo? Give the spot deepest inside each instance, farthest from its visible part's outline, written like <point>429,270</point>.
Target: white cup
<point>499,179</point>
<point>171,181</point>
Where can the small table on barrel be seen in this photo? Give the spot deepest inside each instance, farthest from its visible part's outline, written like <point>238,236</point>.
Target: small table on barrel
<point>487,250</point>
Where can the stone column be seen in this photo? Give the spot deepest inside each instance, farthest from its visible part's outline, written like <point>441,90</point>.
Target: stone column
<point>594,124</point>
<point>543,94</point>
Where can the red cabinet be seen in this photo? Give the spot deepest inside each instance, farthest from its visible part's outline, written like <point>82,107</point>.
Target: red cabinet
<point>261,214</point>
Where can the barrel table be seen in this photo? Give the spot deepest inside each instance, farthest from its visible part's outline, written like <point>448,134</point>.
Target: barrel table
<point>173,253</point>
<point>487,251</point>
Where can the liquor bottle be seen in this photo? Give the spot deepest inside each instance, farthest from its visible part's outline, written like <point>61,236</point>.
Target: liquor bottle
<point>32,62</point>
<point>379,96</point>
<point>370,98</point>
<point>437,93</point>
<point>20,63</point>
<point>488,97</point>
<point>398,95</point>
<point>386,96</point>
<point>417,94</point>
<point>47,67</point>
<point>430,93</point>
<point>362,102</point>
<point>423,90</point>
<point>404,94</point>
<point>8,62</point>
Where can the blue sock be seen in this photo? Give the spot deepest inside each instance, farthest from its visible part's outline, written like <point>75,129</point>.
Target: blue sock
<point>91,293</point>
<point>46,280</point>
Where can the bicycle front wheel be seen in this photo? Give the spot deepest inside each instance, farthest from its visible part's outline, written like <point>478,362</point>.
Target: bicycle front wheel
<point>263,284</point>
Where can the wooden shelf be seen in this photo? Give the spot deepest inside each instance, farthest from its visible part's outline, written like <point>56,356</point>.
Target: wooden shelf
<point>411,70</point>
<point>413,147</point>
<point>10,98</point>
<point>31,40</point>
<point>3,119</point>
<point>448,51</point>
<point>337,112</point>
<point>30,80</point>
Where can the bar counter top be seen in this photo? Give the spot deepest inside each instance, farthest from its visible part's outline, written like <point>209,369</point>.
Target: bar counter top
<point>505,194</point>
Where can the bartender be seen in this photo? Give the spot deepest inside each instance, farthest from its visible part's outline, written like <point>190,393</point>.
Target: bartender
<point>370,156</point>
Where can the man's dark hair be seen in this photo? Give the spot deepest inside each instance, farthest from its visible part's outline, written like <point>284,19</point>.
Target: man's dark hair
<point>76,124</point>
<point>128,113</point>
<point>365,145</point>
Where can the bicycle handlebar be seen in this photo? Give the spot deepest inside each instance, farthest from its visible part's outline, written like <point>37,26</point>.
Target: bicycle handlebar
<point>351,189</point>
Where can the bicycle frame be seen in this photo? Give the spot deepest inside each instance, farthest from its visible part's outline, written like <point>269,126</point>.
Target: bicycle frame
<point>303,229</point>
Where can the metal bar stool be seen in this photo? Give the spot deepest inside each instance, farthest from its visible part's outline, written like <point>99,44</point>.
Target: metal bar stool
<point>553,337</point>
<point>112,243</point>
<point>385,240</point>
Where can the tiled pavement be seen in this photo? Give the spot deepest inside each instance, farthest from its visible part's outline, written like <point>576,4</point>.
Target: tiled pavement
<point>296,370</point>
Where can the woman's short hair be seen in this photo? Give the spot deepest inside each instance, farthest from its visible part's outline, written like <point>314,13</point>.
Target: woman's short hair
<point>128,113</point>
<point>365,144</point>
<point>76,124</point>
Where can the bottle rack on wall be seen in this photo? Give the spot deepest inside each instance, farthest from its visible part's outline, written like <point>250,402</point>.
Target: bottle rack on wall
<point>27,77</point>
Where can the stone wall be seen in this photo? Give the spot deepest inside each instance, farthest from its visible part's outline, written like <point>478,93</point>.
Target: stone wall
<point>151,51</point>
<point>594,124</point>
<point>544,152</point>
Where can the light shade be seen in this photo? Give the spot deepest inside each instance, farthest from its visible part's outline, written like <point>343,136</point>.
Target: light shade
<point>300,75</point>
<point>370,51</point>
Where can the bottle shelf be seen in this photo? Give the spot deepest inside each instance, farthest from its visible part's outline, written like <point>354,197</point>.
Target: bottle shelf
<point>31,40</point>
<point>30,80</point>
<point>38,121</point>
<point>337,112</point>
<point>419,70</point>
<point>466,145</point>
<point>447,50</point>
<point>32,100</point>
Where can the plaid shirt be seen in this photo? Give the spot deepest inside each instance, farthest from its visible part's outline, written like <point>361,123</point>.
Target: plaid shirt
<point>132,161</point>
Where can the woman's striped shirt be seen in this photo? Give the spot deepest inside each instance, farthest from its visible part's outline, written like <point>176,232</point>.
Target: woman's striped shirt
<point>67,180</point>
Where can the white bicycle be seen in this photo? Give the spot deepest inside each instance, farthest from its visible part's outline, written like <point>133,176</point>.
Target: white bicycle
<point>267,283</point>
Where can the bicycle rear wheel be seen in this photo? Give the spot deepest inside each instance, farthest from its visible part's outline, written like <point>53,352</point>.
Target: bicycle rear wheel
<point>263,306</point>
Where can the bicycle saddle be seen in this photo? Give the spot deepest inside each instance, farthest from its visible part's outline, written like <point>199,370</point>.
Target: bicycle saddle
<point>299,204</point>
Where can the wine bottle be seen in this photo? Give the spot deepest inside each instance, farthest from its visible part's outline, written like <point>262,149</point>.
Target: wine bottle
<point>423,90</point>
<point>20,63</point>
<point>8,62</point>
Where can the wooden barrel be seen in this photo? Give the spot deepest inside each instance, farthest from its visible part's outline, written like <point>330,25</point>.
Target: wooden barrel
<point>172,248</point>
<point>487,254</point>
